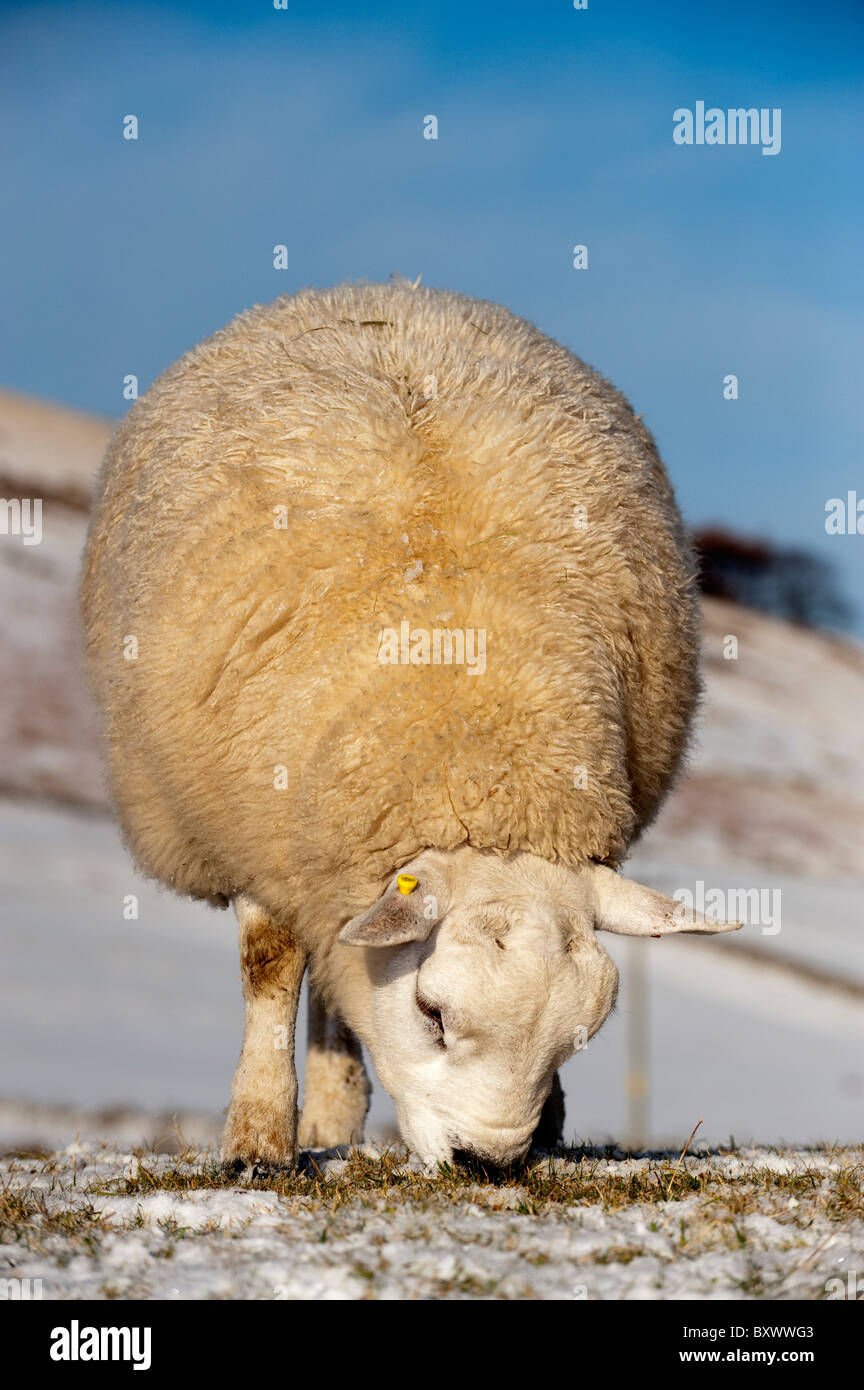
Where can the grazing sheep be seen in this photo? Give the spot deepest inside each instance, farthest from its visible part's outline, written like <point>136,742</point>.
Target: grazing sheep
<point>391,618</point>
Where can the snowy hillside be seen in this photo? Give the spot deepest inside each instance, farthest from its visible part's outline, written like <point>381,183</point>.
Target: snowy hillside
<point>47,728</point>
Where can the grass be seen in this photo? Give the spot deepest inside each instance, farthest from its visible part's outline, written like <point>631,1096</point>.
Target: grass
<point>539,1186</point>
<point>692,1205</point>
<point>26,1219</point>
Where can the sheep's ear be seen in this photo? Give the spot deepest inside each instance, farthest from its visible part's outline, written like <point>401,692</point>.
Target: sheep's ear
<point>625,907</point>
<point>406,911</point>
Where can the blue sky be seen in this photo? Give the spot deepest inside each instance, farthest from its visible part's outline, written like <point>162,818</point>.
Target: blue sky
<point>304,127</point>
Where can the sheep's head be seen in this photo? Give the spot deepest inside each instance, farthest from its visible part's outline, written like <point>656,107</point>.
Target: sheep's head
<point>486,975</point>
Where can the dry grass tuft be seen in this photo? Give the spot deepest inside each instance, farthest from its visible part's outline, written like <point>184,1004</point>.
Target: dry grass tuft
<point>537,1186</point>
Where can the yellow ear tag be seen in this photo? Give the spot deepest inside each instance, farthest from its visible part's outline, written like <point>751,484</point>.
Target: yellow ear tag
<point>406,883</point>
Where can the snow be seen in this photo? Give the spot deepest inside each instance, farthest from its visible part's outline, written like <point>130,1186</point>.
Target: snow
<point>238,1242</point>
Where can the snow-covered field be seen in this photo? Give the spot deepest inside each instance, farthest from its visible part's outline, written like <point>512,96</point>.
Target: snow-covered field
<point>97,1222</point>
<point>110,1024</point>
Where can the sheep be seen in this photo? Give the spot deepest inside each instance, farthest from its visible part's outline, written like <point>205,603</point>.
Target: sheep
<point>283,523</point>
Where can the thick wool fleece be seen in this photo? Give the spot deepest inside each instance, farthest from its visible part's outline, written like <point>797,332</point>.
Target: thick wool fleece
<point>317,472</point>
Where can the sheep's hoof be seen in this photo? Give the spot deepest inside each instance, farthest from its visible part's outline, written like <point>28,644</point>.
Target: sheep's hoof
<point>256,1169</point>
<point>260,1138</point>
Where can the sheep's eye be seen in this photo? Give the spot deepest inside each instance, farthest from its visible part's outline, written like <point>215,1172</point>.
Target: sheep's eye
<point>433,1016</point>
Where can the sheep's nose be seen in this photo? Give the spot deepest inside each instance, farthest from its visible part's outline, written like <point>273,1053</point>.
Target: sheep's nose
<point>470,1161</point>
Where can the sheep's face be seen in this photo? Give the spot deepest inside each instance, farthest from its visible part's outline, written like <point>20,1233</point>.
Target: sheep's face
<point>486,975</point>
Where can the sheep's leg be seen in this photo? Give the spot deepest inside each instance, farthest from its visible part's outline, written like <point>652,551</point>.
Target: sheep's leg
<point>262,1117</point>
<point>336,1088</point>
<point>550,1126</point>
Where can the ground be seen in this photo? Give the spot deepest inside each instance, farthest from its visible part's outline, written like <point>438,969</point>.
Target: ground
<point>96,1222</point>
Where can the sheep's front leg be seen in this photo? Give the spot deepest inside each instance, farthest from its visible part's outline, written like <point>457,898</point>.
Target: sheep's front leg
<point>336,1088</point>
<point>262,1117</point>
